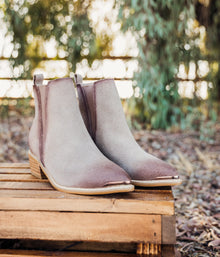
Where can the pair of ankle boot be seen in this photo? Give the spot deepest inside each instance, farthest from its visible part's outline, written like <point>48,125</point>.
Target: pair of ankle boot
<point>85,146</point>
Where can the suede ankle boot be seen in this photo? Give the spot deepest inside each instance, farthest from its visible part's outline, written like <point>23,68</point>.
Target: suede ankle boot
<point>103,115</point>
<point>61,148</point>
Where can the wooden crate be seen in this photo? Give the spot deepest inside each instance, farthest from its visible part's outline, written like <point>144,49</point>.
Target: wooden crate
<point>30,209</point>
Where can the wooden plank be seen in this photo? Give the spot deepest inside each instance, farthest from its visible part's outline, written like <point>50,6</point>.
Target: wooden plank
<point>25,185</point>
<point>134,196</point>
<point>168,229</point>
<point>87,205</point>
<point>96,227</point>
<point>20,178</point>
<point>168,251</point>
<point>134,202</point>
<point>14,171</point>
<point>32,253</point>
<point>49,245</point>
<point>58,194</point>
<point>14,165</point>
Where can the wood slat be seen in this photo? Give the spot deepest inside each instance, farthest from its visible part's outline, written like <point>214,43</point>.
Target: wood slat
<point>135,202</point>
<point>25,185</point>
<point>56,247</point>
<point>49,245</point>
<point>14,171</point>
<point>32,253</point>
<point>20,178</point>
<point>167,251</point>
<point>137,196</point>
<point>87,205</point>
<point>96,227</point>
<point>14,165</point>
<point>168,229</point>
<point>84,204</point>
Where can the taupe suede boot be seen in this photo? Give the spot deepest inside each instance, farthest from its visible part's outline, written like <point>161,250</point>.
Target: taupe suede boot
<point>103,115</point>
<point>61,148</point>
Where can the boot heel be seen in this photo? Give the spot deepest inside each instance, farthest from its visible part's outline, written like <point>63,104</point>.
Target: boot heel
<point>35,167</point>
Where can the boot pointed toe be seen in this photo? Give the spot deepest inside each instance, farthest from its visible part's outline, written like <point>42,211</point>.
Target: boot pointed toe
<point>155,172</point>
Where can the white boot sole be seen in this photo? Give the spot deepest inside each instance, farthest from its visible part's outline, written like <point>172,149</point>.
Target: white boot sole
<point>156,183</point>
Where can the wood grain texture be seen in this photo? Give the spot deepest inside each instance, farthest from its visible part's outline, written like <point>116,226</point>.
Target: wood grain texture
<point>32,253</point>
<point>86,205</point>
<point>138,196</point>
<point>25,185</point>
<point>168,229</point>
<point>135,196</point>
<point>15,165</point>
<point>14,171</point>
<point>48,245</point>
<point>168,251</point>
<point>98,227</point>
<point>20,178</point>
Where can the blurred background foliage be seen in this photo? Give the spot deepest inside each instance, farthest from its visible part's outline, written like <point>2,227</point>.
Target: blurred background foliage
<point>169,35</point>
<point>33,22</point>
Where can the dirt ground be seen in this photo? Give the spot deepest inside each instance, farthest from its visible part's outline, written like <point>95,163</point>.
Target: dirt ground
<point>198,162</point>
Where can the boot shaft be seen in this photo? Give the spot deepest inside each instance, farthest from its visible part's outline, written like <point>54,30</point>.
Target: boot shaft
<point>101,108</point>
<point>56,114</point>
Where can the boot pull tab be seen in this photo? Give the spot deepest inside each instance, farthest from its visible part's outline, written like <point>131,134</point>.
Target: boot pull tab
<point>38,79</point>
<point>78,79</point>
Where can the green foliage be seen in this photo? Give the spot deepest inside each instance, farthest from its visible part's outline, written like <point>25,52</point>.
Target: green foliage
<point>209,17</point>
<point>22,106</point>
<point>164,38</point>
<point>160,30</point>
<point>32,22</point>
<point>165,41</point>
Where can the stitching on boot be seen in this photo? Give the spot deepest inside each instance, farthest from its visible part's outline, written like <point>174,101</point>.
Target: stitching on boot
<point>86,108</point>
<point>40,122</point>
<point>95,111</point>
<point>45,122</point>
